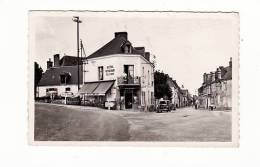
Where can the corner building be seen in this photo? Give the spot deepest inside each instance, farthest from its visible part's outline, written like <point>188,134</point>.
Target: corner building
<point>119,76</point>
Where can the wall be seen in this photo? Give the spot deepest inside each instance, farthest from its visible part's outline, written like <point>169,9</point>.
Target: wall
<point>175,98</point>
<point>147,82</point>
<point>117,61</point>
<point>61,89</point>
<point>221,95</point>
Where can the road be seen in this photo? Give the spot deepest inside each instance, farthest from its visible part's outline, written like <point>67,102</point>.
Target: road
<point>79,123</point>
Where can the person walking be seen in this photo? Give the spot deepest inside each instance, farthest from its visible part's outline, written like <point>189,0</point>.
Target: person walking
<point>196,104</point>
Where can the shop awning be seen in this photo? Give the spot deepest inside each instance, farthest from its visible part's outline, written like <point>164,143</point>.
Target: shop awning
<point>102,88</point>
<point>88,88</point>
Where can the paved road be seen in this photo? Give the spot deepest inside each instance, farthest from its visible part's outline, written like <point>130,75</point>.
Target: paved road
<point>54,122</point>
<point>66,123</point>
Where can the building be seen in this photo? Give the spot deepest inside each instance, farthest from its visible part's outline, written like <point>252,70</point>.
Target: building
<point>119,76</point>
<point>61,77</point>
<point>185,97</point>
<point>176,91</point>
<point>216,89</point>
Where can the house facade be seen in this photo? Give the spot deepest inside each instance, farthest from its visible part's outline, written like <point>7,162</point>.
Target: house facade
<point>61,77</point>
<point>176,92</point>
<point>216,90</point>
<point>119,76</point>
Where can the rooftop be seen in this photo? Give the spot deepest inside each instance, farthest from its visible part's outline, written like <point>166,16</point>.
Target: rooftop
<point>116,46</point>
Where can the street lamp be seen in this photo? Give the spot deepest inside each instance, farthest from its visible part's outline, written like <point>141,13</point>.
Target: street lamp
<point>76,19</point>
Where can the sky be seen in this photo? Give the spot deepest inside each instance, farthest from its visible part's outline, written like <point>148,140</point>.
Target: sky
<point>186,45</point>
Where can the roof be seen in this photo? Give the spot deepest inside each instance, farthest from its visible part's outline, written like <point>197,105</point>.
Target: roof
<point>228,73</point>
<point>51,76</point>
<point>69,61</point>
<point>185,92</point>
<point>115,47</point>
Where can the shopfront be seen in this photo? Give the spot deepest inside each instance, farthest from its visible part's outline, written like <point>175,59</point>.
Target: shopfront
<point>129,97</point>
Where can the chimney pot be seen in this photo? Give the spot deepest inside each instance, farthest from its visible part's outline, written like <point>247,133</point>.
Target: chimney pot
<point>121,34</point>
<point>56,59</point>
<point>230,62</point>
<point>49,64</point>
<point>147,56</point>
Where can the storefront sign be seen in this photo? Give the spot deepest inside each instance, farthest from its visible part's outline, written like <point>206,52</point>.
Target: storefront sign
<point>110,70</point>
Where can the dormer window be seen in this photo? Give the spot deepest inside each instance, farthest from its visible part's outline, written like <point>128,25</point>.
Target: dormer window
<point>127,49</point>
<point>65,77</point>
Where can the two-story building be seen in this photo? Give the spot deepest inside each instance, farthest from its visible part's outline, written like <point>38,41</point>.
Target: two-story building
<point>119,76</point>
<point>216,89</point>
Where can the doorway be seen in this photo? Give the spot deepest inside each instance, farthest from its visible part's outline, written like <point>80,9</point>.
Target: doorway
<point>128,99</point>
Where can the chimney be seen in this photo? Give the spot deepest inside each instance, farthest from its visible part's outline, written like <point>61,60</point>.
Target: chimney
<point>49,64</point>
<point>147,56</point>
<point>204,77</point>
<point>56,59</point>
<point>121,34</point>
<point>230,62</point>
<point>209,77</point>
<point>140,49</point>
<point>218,73</point>
<point>213,76</point>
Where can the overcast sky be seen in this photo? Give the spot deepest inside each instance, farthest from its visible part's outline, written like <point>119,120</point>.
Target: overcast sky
<point>185,44</point>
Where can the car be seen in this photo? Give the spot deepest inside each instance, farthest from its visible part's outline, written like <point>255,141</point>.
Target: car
<point>164,105</point>
<point>212,107</point>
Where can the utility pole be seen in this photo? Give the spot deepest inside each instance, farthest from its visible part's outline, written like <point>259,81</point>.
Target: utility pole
<point>76,19</point>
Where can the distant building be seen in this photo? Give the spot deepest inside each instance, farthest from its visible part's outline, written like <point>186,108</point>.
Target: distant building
<point>176,92</point>
<point>216,89</point>
<point>186,98</point>
<point>61,77</point>
<point>119,76</point>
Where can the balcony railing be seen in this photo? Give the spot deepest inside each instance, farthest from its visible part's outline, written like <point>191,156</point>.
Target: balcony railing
<point>128,80</point>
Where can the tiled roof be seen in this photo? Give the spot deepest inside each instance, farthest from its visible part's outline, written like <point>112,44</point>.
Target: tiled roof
<point>69,61</point>
<point>115,47</point>
<point>228,74</point>
<point>51,76</point>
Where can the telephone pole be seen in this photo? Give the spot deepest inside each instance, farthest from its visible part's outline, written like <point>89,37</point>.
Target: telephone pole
<point>76,19</point>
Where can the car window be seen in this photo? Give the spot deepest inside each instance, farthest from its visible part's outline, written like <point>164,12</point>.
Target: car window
<point>162,102</point>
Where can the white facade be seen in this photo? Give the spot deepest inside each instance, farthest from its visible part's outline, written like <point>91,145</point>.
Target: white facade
<point>61,89</point>
<point>113,69</point>
<point>175,97</point>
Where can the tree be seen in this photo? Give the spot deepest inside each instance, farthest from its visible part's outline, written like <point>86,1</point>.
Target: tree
<point>37,76</point>
<point>162,88</point>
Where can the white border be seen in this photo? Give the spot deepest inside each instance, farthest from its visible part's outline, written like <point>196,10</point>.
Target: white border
<point>235,109</point>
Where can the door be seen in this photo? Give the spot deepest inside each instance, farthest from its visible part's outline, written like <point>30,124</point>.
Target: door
<point>129,71</point>
<point>128,99</point>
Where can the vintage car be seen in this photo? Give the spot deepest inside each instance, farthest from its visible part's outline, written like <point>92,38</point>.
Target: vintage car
<point>164,105</point>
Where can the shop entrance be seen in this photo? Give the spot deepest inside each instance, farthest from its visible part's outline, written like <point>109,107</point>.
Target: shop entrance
<point>128,99</point>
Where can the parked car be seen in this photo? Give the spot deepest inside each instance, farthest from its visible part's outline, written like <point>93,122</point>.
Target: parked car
<point>164,105</point>
<point>212,107</point>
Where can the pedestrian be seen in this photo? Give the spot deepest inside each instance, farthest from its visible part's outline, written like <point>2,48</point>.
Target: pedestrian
<point>196,104</point>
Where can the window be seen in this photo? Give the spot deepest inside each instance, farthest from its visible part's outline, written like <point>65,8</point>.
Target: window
<point>127,48</point>
<point>67,89</point>
<point>62,79</point>
<point>148,96</point>
<point>148,77</point>
<point>51,89</point>
<point>129,71</point>
<point>65,77</point>
<point>152,98</point>
<point>143,97</point>
<point>100,73</point>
